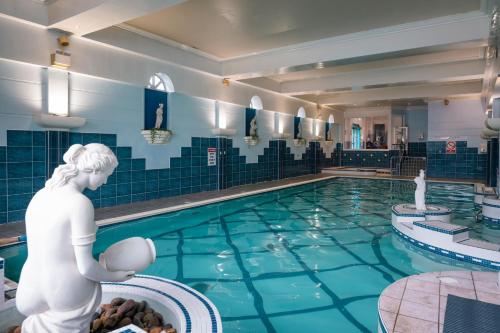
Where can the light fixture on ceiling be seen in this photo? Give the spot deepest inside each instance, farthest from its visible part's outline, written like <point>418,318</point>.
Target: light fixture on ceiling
<point>225,82</point>
<point>446,102</point>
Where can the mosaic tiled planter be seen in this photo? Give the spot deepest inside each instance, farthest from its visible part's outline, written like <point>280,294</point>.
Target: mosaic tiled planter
<point>185,308</point>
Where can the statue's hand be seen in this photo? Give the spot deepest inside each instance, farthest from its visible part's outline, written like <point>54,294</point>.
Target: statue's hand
<point>120,276</point>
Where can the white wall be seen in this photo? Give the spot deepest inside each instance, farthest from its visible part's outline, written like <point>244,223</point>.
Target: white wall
<point>117,108</point>
<point>462,119</point>
<point>416,120</point>
<point>32,44</point>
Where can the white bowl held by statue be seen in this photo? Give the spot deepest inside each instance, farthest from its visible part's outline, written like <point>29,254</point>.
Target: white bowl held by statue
<point>131,254</point>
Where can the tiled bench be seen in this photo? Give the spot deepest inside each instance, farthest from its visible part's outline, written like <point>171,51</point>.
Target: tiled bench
<point>481,244</point>
<point>445,228</point>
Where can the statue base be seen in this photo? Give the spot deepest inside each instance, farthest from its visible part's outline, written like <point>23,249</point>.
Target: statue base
<point>251,140</point>
<point>156,136</point>
<point>299,142</point>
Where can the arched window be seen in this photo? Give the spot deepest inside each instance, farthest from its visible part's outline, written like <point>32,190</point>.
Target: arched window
<point>256,103</point>
<point>331,119</point>
<point>301,113</point>
<point>161,81</point>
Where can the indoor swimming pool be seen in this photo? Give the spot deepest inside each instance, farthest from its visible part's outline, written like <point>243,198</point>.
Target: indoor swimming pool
<point>310,258</point>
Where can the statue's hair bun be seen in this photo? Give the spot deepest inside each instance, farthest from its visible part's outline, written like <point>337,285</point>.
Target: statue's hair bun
<point>71,156</point>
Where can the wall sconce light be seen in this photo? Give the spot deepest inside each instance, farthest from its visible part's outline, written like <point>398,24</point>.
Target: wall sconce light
<point>225,82</point>
<point>221,123</point>
<point>279,127</point>
<point>57,117</point>
<point>58,84</point>
<point>316,128</point>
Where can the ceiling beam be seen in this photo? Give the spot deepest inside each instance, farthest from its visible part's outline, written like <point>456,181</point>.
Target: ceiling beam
<point>440,31</point>
<point>84,17</point>
<point>402,92</point>
<point>475,52</point>
<point>458,71</point>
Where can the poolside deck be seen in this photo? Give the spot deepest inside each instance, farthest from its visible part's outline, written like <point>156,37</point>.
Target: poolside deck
<point>417,303</point>
<point>175,203</point>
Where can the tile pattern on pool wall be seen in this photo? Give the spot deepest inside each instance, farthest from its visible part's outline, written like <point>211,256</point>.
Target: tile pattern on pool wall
<point>371,159</point>
<point>417,149</point>
<point>467,163</point>
<point>31,156</point>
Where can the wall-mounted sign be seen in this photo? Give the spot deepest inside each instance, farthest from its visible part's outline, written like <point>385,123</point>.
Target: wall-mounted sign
<point>212,156</point>
<point>451,147</point>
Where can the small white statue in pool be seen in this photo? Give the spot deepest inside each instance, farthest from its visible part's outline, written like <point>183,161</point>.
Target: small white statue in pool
<point>59,288</point>
<point>253,127</point>
<point>159,116</point>
<point>420,191</point>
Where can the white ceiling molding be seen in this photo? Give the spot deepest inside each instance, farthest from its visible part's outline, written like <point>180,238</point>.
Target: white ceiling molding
<point>440,31</point>
<point>403,92</point>
<point>83,17</point>
<point>458,71</point>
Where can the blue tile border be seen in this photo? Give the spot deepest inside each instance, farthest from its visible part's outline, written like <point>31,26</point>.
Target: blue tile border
<point>210,310</point>
<point>450,254</point>
<point>443,231</point>
<point>491,223</point>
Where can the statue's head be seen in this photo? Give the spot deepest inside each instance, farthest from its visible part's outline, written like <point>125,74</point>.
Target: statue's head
<point>95,160</point>
<point>422,173</point>
<point>160,105</point>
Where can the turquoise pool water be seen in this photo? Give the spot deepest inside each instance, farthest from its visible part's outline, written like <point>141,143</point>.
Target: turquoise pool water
<point>310,258</point>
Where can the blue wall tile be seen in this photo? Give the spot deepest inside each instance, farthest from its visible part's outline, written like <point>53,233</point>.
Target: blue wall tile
<point>19,138</point>
<point>123,152</point>
<point>20,186</point>
<point>19,170</point>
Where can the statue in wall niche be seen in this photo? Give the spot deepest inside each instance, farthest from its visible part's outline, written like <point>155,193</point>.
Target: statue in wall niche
<point>299,129</point>
<point>420,191</point>
<point>253,127</point>
<point>329,135</point>
<point>59,288</point>
<point>159,116</point>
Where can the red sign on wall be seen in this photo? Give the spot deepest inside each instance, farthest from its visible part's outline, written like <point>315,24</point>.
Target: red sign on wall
<point>212,156</point>
<point>451,147</point>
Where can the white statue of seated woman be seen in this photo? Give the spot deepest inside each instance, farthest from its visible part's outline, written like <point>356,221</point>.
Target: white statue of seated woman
<point>59,287</point>
<point>420,191</point>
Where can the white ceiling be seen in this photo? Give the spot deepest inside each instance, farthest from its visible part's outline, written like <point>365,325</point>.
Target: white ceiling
<point>331,52</point>
<point>230,28</point>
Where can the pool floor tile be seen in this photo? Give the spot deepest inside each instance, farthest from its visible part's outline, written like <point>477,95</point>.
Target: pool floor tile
<point>243,304</point>
<point>291,294</point>
<point>215,267</point>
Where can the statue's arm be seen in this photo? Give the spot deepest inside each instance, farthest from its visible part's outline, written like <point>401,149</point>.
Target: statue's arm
<point>88,267</point>
<point>83,232</point>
